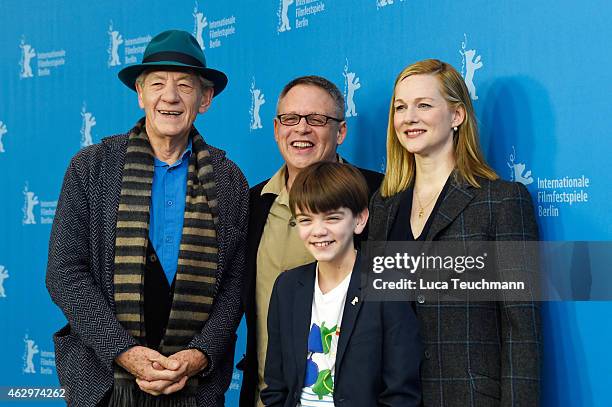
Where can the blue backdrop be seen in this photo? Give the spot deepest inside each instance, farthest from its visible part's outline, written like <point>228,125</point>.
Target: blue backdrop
<point>538,73</point>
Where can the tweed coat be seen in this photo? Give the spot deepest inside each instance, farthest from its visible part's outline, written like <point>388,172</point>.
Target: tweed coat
<point>80,275</point>
<point>259,208</point>
<point>476,353</point>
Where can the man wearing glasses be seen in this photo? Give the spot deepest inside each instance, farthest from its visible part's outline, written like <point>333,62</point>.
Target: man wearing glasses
<point>308,128</point>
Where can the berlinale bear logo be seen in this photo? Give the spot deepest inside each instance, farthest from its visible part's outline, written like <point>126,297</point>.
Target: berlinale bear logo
<point>518,171</point>
<point>257,99</point>
<point>31,349</point>
<point>351,84</point>
<point>3,131</point>
<point>469,65</point>
<point>200,23</point>
<point>115,39</point>
<point>3,276</point>
<point>27,53</point>
<point>30,201</point>
<point>89,120</point>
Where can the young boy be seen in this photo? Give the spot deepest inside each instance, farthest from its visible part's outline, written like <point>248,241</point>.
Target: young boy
<point>327,346</point>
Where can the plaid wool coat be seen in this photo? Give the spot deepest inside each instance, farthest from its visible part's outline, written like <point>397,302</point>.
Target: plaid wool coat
<point>476,353</point>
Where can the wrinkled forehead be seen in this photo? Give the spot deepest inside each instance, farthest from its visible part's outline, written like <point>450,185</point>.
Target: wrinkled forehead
<point>169,72</point>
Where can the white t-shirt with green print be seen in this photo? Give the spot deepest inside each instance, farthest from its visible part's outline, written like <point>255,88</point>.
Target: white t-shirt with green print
<point>323,338</point>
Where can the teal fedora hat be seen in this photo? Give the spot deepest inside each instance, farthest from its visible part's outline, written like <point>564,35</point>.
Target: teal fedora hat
<point>173,49</point>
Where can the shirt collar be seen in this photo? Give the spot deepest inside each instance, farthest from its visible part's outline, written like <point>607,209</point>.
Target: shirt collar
<point>278,181</point>
<point>186,154</point>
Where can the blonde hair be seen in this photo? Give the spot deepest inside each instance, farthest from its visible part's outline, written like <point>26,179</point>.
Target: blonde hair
<point>470,162</point>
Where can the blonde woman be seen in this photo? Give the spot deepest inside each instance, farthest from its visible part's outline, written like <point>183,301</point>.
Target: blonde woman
<point>438,187</point>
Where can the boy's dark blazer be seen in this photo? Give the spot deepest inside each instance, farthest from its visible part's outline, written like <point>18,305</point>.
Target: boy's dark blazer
<point>259,208</point>
<point>379,350</point>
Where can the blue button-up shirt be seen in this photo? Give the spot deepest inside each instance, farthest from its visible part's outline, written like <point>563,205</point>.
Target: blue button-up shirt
<point>168,210</point>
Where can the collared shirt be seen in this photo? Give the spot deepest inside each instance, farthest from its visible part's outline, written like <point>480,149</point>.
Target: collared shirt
<point>280,249</point>
<point>168,210</point>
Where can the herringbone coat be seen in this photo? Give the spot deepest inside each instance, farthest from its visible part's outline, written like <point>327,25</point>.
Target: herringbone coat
<point>80,275</point>
<point>478,353</point>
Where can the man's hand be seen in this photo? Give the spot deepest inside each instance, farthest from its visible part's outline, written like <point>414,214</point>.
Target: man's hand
<point>194,362</point>
<point>139,361</point>
<point>158,387</point>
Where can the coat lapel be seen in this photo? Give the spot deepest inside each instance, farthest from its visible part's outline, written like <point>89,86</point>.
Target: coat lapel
<point>352,306</point>
<point>113,160</point>
<point>302,313</point>
<point>380,227</point>
<point>458,196</point>
<point>223,198</point>
<point>259,208</point>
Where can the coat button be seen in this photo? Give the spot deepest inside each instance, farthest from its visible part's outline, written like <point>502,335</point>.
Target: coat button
<point>427,354</point>
<point>153,258</point>
<point>421,299</point>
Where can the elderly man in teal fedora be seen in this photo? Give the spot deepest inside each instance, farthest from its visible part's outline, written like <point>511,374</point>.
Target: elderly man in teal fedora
<point>147,248</point>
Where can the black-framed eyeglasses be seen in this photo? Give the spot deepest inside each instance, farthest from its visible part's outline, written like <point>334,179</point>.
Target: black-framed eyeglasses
<point>313,119</point>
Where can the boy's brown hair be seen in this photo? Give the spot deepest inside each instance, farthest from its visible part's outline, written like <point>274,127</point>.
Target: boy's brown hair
<point>327,186</point>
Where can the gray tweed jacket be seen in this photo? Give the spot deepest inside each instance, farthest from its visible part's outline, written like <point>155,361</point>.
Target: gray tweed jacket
<point>476,353</point>
<point>80,275</point>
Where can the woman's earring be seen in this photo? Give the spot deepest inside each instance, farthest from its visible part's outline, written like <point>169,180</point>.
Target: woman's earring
<point>455,129</point>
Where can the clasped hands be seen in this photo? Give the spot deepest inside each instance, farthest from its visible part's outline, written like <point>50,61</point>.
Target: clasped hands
<point>157,374</point>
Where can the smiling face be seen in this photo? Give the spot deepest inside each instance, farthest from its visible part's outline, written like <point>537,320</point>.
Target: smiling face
<point>303,144</point>
<point>171,101</point>
<point>423,119</point>
<point>328,236</point>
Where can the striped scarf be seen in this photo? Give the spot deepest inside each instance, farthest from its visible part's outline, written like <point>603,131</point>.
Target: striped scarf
<point>197,264</point>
